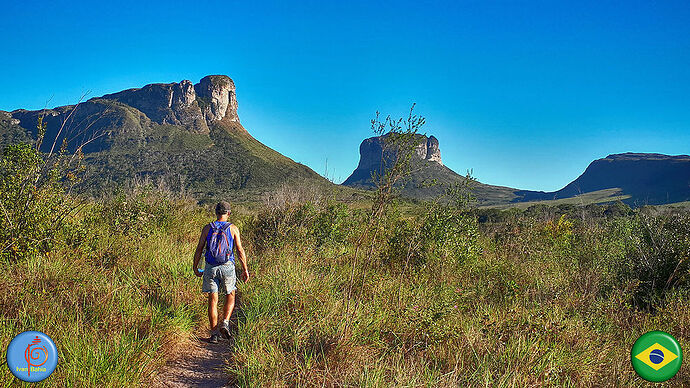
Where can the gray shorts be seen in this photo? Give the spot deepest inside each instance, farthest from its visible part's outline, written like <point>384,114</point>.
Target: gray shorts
<point>220,277</point>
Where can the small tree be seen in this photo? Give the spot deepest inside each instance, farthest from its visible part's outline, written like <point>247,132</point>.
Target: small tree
<point>34,193</point>
<point>400,139</point>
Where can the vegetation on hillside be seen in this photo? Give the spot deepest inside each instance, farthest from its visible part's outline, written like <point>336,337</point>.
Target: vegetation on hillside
<point>435,294</point>
<point>534,299</point>
<point>121,144</point>
<point>106,280</point>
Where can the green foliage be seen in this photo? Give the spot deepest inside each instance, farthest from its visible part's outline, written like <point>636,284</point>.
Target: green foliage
<point>525,301</point>
<point>439,234</point>
<point>10,132</point>
<point>334,224</point>
<point>400,141</point>
<point>205,165</point>
<point>276,227</point>
<point>438,299</point>
<point>33,201</point>
<point>128,216</point>
<point>560,232</point>
<point>170,138</point>
<point>136,215</point>
<point>116,294</point>
<point>303,224</point>
<point>658,257</point>
<point>438,295</point>
<point>452,234</point>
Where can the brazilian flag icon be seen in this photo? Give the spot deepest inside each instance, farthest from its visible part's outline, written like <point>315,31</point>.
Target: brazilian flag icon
<point>656,356</point>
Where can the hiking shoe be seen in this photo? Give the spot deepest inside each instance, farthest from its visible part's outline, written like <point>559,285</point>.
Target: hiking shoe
<point>225,330</point>
<point>213,339</point>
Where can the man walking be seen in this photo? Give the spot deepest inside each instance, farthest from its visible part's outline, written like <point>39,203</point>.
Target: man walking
<point>220,238</point>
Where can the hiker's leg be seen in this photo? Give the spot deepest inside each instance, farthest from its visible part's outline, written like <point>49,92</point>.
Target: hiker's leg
<point>228,287</point>
<point>229,305</point>
<point>213,311</point>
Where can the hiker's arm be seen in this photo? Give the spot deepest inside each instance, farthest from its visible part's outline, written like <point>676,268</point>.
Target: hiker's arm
<point>199,249</point>
<point>240,252</point>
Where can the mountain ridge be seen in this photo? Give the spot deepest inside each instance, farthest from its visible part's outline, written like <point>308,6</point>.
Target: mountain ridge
<point>191,135</point>
<point>635,178</point>
<point>187,134</point>
<point>648,178</point>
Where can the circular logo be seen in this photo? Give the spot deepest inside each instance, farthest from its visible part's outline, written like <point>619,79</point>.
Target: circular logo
<point>32,356</point>
<point>656,356</point>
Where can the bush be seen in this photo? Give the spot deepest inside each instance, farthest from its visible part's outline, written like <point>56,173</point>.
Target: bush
<point>333,224</point>
<point>450,233</point>
<point>658,257</point>
<point>274,227</point>
<point>33,202</point>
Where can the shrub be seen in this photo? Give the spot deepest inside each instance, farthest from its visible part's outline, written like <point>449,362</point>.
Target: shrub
<point>333,224</point>
<point>274,227</point>
<point>450,233</point>
<point>33,201</point>
<point>658,256</point>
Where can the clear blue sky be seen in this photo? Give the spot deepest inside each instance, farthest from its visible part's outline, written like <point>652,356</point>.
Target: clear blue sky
<point>524,93</point>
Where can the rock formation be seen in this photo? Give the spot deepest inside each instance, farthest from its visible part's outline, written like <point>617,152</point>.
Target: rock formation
<point>185,104</point>
<point>372,153</point>
<point>220,91</point>
<point>186,135</point>
<point>129,113</point>
<point>431,151</point>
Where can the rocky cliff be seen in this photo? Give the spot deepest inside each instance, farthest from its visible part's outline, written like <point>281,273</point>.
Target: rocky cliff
<point>429,176</point>
<point>183,103</point>
<point>130,112</point>
<point>636,178</point>
<point>187,134</point>
<point>373,153</point>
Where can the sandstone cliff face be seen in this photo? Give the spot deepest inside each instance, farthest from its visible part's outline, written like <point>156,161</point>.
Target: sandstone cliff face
<point>128,114</point>
<point>431,150</point>
<point>219,91</point>
<point>184,104</point>
<point>372,156</point>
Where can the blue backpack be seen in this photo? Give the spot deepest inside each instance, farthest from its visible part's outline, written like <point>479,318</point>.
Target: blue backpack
<point>219,244</point>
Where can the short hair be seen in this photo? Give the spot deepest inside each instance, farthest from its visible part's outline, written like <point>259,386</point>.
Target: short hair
<point>222,207</point>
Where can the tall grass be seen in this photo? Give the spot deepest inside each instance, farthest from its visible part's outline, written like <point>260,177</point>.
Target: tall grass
<point>530,301</point>
<point>115,294</point>
<point>534,298</point>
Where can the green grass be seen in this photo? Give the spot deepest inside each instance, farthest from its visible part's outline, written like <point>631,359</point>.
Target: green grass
<point>114,325</point>
<point>528,301</point>
<point>538,305</point>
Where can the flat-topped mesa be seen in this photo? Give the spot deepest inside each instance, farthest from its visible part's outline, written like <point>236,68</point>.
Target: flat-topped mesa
<point>370,151</point>
<point>645,178</point>
<point>371,156</point>
<point>633,156</point>
<point>183,103</point>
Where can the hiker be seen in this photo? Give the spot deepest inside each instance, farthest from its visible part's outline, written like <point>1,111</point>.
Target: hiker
<point>219,238</point>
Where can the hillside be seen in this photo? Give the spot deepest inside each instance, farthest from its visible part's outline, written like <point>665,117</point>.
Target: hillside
<point>188,135</point>
<point>635,178</point>
<point>644,179</point>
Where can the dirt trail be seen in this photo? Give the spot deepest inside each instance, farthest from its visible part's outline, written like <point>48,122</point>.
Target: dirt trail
<point>202,365</point>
